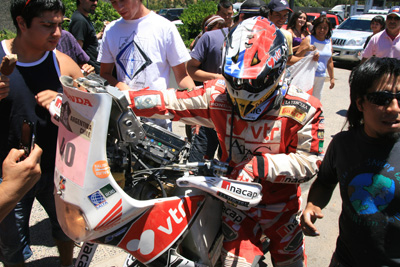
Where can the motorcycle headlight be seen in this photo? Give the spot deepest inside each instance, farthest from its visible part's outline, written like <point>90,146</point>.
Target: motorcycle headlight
<point>356,42</point>
<point>72,221</point>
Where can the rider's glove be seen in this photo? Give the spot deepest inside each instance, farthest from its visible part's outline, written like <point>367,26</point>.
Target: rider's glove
<point>254,169</point>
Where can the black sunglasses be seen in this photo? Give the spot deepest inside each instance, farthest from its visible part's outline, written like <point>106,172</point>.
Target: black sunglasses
<point>393,17</point>
<point>382,98</point>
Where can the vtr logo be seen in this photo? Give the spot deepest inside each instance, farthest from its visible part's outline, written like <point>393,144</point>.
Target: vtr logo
<point>238,190</point>
<point>146,243</point>
<point>178,218</point>
<point>158,228</point>
<point>267,132</point>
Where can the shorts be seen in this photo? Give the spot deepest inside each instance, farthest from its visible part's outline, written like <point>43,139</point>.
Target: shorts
<point>14,229</point>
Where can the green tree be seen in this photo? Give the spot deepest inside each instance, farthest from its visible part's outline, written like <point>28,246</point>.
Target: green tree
<point>192,18</point>
<point>6,34</point>
<point>307,3</point>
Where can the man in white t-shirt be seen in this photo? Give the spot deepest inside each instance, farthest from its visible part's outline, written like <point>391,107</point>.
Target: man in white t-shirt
<point>143,47</point>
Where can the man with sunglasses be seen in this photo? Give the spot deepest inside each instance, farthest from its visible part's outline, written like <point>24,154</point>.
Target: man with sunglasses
<point>364,161</point>
<point>83,30</point>
<point>386,43</point>
<point>33,84</point>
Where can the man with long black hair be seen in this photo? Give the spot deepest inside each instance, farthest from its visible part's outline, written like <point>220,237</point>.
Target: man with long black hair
<point>364,161</point>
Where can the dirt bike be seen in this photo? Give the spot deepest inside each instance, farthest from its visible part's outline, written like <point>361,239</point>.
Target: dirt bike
<point>124,183</point>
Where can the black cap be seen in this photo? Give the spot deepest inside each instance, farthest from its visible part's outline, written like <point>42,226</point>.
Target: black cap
<point>279,5</point>
<point>252,6</point>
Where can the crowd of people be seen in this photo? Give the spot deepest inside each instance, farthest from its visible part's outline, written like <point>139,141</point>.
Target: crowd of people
<point>239,98</point>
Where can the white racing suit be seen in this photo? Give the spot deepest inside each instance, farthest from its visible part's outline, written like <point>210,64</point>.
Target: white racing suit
<point>288,142</point>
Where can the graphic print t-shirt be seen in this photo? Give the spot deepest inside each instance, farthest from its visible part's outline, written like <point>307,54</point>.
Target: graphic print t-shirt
<point>143,50</point>
<point>368,172</point>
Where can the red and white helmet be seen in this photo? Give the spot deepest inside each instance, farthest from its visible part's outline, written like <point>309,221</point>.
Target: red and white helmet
<point>254,62</point>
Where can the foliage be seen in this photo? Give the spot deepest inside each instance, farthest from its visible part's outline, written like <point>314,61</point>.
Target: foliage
<point>104,11</point>
<point>192,18</point>
<point>156,5</point>
<point>307,3</point>
<point>6,34</point>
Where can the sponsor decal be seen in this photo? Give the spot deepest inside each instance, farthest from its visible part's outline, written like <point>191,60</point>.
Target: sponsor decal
<point>97,199</point>
<point>101,169</point>
<point>58,102</point>
<point>86,254</point>
<point>292,112</point>
<point>61,184</point>
<point>219,105</point>
<point>267,132</point>
<point>280,178</point>
<point>288,227</point>
<point>321,146</point>
<point>109,238</point>
<point>234,215</point>
<point>297,103</point>
<point>221,82</point>
<point>74,122</point>
<point>233,201</point>
<point>77,99</point>
<point>147,101</point>
<point>320,134</point>
<point>292,180</point>
<point>112,217</point>
<point>84,127</point>
<point>274,58</point>
<point>160,227</point>
<point>237,189</point>
<point>321,124</point>
<point>108,190</point>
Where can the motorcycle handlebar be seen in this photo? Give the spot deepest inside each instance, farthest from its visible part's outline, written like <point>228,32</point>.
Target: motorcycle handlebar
<point>217,168</point>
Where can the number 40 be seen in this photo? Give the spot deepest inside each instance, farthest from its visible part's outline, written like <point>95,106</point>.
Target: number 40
<point>67,152</point>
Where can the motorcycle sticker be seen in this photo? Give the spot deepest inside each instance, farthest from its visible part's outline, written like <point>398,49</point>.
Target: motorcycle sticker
<point>108,190</point>
<point>114,215</point>
<point>97,199</point>
<point>69,159</point>
<point>101,169</point>
<point>154,232</point>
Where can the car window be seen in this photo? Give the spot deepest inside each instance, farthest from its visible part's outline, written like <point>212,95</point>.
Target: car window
<point>332,21</point>
<point>356,25</point>
<point>163,11</point>
<point>310,18</point>
<point>340,19</point>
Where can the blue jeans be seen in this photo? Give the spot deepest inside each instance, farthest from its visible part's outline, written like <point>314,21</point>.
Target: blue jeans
<point>204,145</point>
<point>14,229</point>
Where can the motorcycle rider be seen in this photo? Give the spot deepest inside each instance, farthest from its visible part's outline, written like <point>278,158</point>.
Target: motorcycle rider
<point>270,133</point>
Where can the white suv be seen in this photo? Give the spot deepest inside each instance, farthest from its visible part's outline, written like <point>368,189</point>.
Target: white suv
<point>349,37</point>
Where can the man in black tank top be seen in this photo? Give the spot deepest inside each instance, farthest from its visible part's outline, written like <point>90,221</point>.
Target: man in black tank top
<point>32,86</point>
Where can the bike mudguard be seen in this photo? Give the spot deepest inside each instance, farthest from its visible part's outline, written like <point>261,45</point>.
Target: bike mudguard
<point>90,204</point>
<point>241,195</point>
